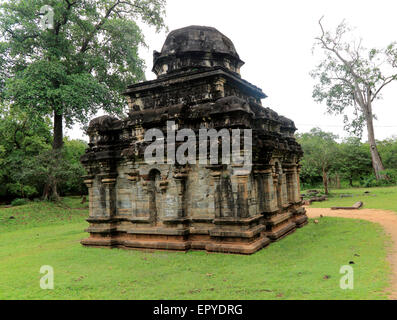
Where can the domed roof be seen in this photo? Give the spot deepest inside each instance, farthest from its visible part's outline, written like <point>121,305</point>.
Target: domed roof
<point>196,47</point>
<point>198,38</point>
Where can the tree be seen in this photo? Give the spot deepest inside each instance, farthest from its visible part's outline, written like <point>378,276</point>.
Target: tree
<point>319,149</point>
<point>27,162</point>
<point>73,150</point>
<point>21,140</point>
<point>353,159</point>
<point>80,63</point>
<point>351,76</point>
<point>46,170</point>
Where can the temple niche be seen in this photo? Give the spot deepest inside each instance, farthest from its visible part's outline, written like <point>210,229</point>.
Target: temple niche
<point>204,206</point>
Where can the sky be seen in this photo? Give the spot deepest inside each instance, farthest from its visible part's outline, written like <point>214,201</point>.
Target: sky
<point>275,39</point>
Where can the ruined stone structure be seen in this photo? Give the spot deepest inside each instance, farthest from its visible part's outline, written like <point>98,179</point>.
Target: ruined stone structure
<point>137,205</point>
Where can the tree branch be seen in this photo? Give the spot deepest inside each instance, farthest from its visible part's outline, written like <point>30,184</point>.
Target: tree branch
<point>65,17</point>
<point>21,38</point>
<point>385,83</point>
<point>336,52</point>
<point>98,26</point>
<point>356,77</point>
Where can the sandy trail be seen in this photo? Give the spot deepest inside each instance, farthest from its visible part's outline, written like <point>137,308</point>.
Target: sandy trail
<point>387,219</point>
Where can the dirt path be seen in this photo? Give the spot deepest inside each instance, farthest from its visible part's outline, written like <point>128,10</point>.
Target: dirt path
<point>387,219</point>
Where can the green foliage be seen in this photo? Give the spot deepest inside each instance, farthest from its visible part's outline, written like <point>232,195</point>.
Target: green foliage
<point>80,65</point>
<point>319,153</point>
<point>348,161</point>
<point>73,150</point>
<point>70,70</point>
<point>19,202</point>
<point>62,169</point>
<point>351,76</point>
<point>388,151</point>
<point>27,161</point>
<point>293,268</point>
<point>392,175</point>
<point>371,181</point>
<point>20,141</point>
<point>353,159</point>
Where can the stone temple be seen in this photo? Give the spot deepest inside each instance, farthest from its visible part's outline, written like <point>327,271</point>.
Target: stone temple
<point>171,206</point>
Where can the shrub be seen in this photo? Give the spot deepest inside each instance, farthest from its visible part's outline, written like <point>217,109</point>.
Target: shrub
<point>392,175</point>
<point>19,202</point>
<point>370,181</point>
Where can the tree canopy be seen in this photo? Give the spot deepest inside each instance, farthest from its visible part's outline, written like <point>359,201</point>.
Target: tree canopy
<point>353,77</point>
<point>27,162</point>
<point>331,162</point>
<point>319,152</point>
<point>69,58</point>
<point>80,63</point>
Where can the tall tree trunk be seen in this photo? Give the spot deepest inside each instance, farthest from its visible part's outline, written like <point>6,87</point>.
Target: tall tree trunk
<point>337,181</point>
<point>58,132</point>
<point>50,189</point>
<point>325,181</point>
<point>376,160</point>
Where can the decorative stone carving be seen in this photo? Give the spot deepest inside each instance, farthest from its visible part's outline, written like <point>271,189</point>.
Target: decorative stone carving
<point>219,208</point>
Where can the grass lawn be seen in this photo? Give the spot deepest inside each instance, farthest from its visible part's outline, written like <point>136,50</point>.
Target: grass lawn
<point>379,198</point>
<point>304,265</point>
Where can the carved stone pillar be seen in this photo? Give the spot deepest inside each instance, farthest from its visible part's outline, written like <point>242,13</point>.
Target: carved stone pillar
<point>89,181</point>
<point>284,192</point>
<point>279,221</point>
<point>241,199</point>
<point>216,172</point>
<point>298,170</point>
<point>292,184</point>
<point>109,183</point>
<point>180,177</point>
<point>300,217</point>
<point>295,180</point>
<point>267,194</point>
<point>108,178</point>
<point>133,176</point>
<point>102,228</point>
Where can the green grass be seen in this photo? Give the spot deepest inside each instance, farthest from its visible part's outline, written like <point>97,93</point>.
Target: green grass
<point>37,214</point>
<point>379,198</point>
<point>293,268</point>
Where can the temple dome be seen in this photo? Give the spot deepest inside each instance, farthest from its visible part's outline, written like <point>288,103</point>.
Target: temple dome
<point>196,47</point>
